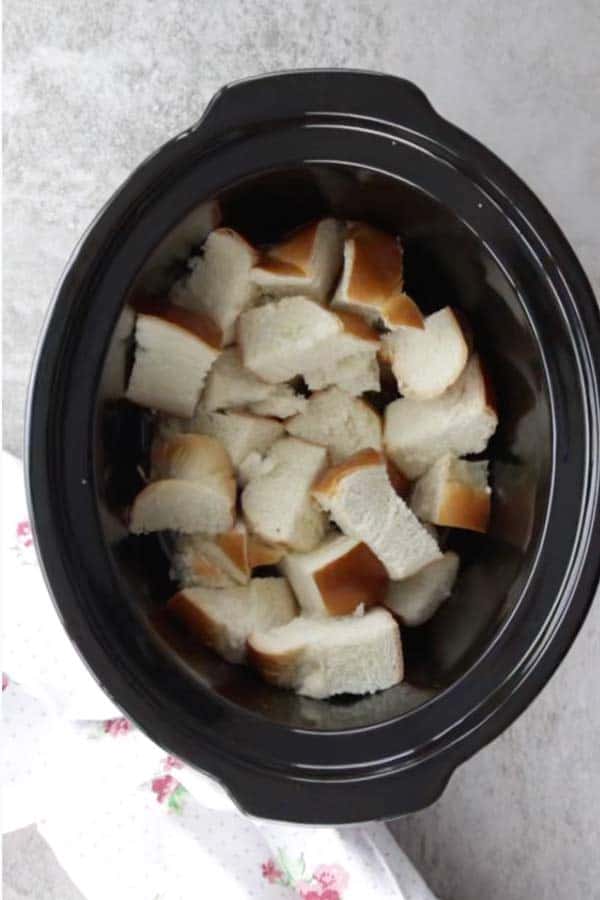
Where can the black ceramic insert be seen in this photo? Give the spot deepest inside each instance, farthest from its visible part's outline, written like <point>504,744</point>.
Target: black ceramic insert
<point>276,152</point>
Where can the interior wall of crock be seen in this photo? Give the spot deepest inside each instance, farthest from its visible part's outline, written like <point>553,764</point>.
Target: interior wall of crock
<point>445,264</point>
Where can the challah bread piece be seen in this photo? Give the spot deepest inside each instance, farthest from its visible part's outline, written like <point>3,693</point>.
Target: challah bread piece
<point>427,361</point>
<point>336,578</point>
<point>282,403</point>
<point>157,275</point>
<point>240,432</point>
<point>360,499</point>
<point>229,384</point>
<point>307,262</point>
<point>285,338</point>
<point>459,421</point>
<point>223,619</point>
<point>219,283</point>
<point>354,374</point>
<point>219,561</point>
<point>455,493</point>
<point>195,488</point>
<point>372,279</point>
<point>338,421</point>
<point>322,657</point>
<point>276,500</point>
<point>173,354</point>
<point>223,560</point>
<point>416,599</point>
<point>350,360</point>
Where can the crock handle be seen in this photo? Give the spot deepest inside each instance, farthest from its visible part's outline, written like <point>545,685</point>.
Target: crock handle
<point>255,102</point>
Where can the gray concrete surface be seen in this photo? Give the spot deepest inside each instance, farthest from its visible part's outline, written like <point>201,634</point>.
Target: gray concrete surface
<point>91,87</point>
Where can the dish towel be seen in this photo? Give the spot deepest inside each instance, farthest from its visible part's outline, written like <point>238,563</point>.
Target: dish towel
<point>126,820</point>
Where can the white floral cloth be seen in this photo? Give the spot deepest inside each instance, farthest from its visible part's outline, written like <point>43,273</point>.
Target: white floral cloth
<point>124,819</point>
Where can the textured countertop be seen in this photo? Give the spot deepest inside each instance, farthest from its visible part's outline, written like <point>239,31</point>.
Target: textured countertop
<point>90,88</point>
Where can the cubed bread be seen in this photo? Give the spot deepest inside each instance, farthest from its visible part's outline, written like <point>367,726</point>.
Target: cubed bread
<point>157,275</point>
<point>354,374</point>
<point>194,492</point>
<point>230,385</point>
<point>173,354</point>
<point>455,493</point>
<point>219,561</point>
<point>337,655</point>
<point>338,421</point>
<point>277,503</point>
<point>284,338</point>
<point>219,283</point>
<point>360,499</point>
<point>223,619</point>
<point>427,361</point>
<point>416,599</point>
<point>223,560</point>
<point>372,282</point>
<point>241,433</point>
<point>282,403</point>
<point>459,421</point>
<point>305,263</point>
<point>335,578</point>
<point>351,359</point>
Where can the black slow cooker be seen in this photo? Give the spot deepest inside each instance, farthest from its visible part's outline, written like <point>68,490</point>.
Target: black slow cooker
<point>277,151</point>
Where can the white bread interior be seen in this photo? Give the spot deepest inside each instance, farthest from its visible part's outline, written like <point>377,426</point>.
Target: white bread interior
<point>174,351</point>
<point>276,501</point>
<point>190,233</point>
<point>305,263</point>
<point>355,374</point>
<point>360,499</point>
<point>427,361</point>
<point>223,619</point>
<point>454,493</point>
<point>322,657</point>
<point>416,599</point>
<point>219,561</point>
<point>229,384</point>
<point>338,421</point>
<point>459,421</point>
<point>241,433</point>
<point>336,578</point>
<point>194,492</point>
<point>285,338</point>
<point>282,403</point>
<point>219,283</point>
<point>372,281</point>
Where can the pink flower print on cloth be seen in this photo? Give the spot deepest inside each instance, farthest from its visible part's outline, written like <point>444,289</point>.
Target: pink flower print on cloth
<point>117,727</point>
<point>23,546</point>
<point>5,681</point>
<point>327,882</point>
<point>169,792</point>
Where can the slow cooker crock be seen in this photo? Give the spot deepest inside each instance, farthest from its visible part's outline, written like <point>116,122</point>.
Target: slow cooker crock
<point>276,151</point>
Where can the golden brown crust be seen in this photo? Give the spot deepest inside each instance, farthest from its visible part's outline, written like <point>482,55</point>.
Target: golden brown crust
<point>354,578</point>
<point>400,482</point>
<point>292,256</point>
<point>377,270</point>
<point>170,456</point>
<point>196,323</point>
<point>194,619</point>
<point>464,506</point>
<point>262,553</point>
<point>400,309</point>
<point>234,544</point>
<point>277,668</point>
<point>356,326</point>
<point>489,392</point>
<point>329,480</point>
